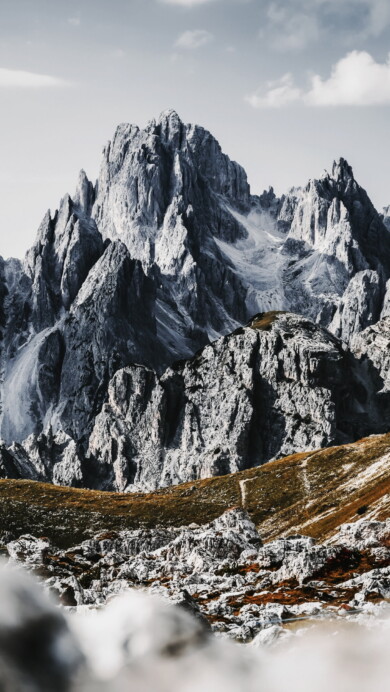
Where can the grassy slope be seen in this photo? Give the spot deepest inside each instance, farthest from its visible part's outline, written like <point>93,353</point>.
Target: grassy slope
<point>311,493</point>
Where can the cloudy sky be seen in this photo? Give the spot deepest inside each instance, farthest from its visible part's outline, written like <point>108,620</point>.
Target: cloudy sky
<point>286,86</point>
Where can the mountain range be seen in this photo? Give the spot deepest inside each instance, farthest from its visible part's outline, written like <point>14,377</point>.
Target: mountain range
<point>168,325</point>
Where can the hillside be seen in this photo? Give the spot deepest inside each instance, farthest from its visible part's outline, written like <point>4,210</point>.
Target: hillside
<point>310,493</point>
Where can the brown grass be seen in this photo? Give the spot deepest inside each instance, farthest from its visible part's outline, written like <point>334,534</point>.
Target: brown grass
<point>264,320</point>
<point>310,493</point>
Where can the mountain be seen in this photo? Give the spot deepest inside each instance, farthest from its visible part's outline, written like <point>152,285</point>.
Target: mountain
<point>386,217</point>
<point>168,252</point>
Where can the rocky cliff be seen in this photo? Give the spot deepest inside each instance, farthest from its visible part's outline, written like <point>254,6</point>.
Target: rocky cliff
<point>278,386</point>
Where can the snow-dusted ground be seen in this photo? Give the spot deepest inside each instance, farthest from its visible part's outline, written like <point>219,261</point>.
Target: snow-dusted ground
<point>21,389</point>
<point>258,259</point>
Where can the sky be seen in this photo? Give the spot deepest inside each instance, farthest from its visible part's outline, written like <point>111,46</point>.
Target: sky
<point>286,86</point>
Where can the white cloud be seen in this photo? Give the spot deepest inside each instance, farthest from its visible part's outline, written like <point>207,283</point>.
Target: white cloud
<point>292,26</point>
<point>74,21</point>
<point>356,80</point>
<point>278,93</point>
<point>195,3</point>
<point>291,29</point>
<point>190,40</point>
<point>20,79</point>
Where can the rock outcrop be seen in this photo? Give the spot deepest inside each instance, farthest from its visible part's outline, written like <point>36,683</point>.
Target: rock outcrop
<point>372,346</point>
<point>278,386</point>
<point>223,573</point>
<point>38,651</point>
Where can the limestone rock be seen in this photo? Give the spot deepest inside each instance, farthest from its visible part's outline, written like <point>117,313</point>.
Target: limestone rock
<point>371,348</point>
<point>248,397</point>
<point>222,573</point>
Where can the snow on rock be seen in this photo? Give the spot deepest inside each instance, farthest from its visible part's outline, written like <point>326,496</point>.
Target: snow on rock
<point>258,260</point>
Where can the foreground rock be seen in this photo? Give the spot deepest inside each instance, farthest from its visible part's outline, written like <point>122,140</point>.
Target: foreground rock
<point>141,642</point>
<point>38,652</point>
<point>223,573</point>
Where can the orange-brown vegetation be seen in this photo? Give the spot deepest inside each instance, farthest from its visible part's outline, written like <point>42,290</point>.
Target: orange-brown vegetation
<point>312,493</point>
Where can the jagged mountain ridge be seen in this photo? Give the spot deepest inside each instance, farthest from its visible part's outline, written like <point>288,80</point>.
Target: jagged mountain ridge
<point>166,252</point>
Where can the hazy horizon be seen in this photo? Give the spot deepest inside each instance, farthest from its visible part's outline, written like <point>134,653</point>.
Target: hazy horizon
<point>285,87</point>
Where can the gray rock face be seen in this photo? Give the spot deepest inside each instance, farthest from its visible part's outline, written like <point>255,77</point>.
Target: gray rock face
<point>149,175</point>
<point>67,247</point>
<point>38,296</point>
<point>168,252</point>
<point>386,217</point>
<point>340,249</point>
<point>360,305</point>
<point>267,390</point>
<point>101,333</point>
<point>56,379</point>
<point>51,458</point>
<point>164,191</point>
<point>372,346</point>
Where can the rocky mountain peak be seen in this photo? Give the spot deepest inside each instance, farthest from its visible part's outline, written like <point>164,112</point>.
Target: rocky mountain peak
<point>168,116</point>
<point>170,128</point>
<point>342,171</point>
<point>84,195</point>
<point>386,217</point>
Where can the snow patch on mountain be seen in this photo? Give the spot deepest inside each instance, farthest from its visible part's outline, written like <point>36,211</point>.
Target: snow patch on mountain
<point>258,260</point>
